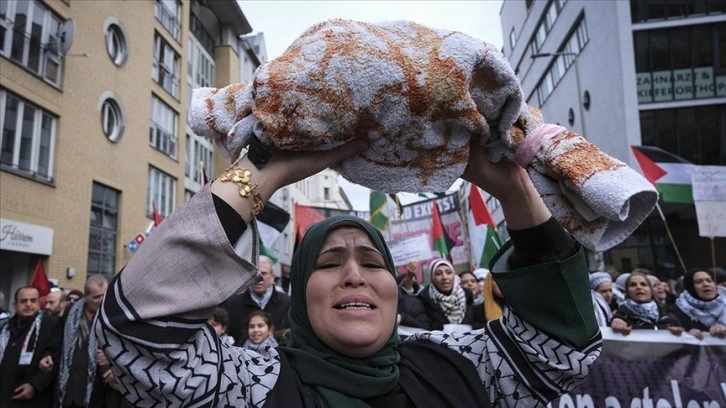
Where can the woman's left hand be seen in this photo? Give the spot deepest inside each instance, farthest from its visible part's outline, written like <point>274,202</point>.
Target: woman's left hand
<point>718,330</point>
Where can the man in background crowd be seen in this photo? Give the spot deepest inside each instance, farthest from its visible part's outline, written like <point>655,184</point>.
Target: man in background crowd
<point>261,296</point>
<point>55,303</point>
<point>25,339</point>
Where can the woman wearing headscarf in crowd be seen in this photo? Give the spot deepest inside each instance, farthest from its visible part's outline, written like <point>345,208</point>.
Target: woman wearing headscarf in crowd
<point>444,300</point>
<point>641,311</point>
<point>493,299</point>
<point>700,307</point>
<point>601,284</point>
<point>344,350</point>
<point>470,283</point>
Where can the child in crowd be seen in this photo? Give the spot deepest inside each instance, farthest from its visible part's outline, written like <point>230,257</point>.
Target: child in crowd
<point>219,320</point>
<point>259,332</point>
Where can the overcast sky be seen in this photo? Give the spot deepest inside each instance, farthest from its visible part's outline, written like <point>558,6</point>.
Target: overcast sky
<point>283,21</point>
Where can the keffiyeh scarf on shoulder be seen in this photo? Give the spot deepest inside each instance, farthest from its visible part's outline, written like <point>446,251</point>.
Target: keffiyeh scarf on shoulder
<point>454,305</point>
<point>646,311</point>
<point>23,324</point>
<point>707,312</point>
<point>603,314</point>
<point>262,346</point>
<point>75,333</point>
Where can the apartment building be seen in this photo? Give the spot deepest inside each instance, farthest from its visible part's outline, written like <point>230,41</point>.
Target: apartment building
<point>93,101</point>
<point>622,73</point>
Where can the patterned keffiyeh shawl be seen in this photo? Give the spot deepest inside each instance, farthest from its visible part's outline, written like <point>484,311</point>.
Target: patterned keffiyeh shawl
<point>75,333</point>
<point>645,311</point>
<point>262,346</point>
<point>454,305</point>
<point>707,312</point>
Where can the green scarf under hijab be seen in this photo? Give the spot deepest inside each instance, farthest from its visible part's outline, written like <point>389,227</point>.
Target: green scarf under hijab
<point>339,381</point>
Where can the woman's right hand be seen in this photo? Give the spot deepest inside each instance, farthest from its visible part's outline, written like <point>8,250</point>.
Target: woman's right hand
<point>718,330</point>
<point>283,168</point>
<point>620,326</point>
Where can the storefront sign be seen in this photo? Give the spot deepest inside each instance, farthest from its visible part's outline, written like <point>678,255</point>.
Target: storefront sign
<point>679,84</point>
<point>21,237</point>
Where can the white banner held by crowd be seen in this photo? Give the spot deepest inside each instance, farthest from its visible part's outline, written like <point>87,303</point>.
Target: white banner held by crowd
<point>709,196</point>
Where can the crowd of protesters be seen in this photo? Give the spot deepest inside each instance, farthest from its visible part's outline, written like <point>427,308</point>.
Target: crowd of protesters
<point>50,359</point>
<point>49,356</point>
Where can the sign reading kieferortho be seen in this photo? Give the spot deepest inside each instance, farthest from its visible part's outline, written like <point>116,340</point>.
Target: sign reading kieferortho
<point>22,237</point>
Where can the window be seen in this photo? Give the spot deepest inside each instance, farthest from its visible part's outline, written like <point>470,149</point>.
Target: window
<point>680,63</point>
<point>562,63</point>
<point>198,159</point>
<point>326,193</point>
<point>29,37</point>
<point>552,11</point>
<point>200,66</point>
<point>697,134</point>
<point>643,11</point>
<point>160,192</point>
<point>162,132</point>
<point>116,44</point>
<point>28,137</point>
<point>200,33</point>
<point>104,231</point>
<point>512,38</point>
<point>165,70</point>
<point>168,12</point>
<point>112,120</point>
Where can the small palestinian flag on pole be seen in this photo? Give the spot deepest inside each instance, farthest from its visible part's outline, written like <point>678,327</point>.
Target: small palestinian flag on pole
<point>670,174</point>
<point>443,244</point>
<point>482,230</point>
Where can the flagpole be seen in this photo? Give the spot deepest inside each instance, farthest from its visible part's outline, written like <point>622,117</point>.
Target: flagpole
<point>713,257</point>
<point>673,242</point>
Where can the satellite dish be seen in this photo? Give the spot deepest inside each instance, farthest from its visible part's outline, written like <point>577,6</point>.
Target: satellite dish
<point>66,34</point>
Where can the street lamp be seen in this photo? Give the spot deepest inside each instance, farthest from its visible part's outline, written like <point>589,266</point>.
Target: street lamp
<point>577,79</point>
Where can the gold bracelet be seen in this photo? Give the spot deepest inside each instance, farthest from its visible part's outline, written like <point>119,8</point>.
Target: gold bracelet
<point>243,178</point>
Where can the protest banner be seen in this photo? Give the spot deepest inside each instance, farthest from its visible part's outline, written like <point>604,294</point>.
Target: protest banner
<point>653,369</point>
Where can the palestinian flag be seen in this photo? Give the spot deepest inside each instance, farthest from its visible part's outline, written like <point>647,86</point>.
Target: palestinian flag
<point>305,217</point>
<point>379,210</point>
<point>271,221</point>
<point>670,174</point>
<point>40,279</point>
<point>442,242</point>
<point>483,237</point>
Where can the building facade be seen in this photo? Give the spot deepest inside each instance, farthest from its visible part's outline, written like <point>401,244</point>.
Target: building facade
<point>623,73</point>
<point>93,101</point>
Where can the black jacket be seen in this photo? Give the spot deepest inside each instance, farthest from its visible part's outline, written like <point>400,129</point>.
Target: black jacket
<point>687,321</point>
<point>13,375</point>
<point>437,318</point>
<point>240,306</point>
<point>411,309</point>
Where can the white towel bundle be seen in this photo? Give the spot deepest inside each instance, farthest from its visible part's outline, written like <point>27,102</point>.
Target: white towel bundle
<point>420,95</point>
